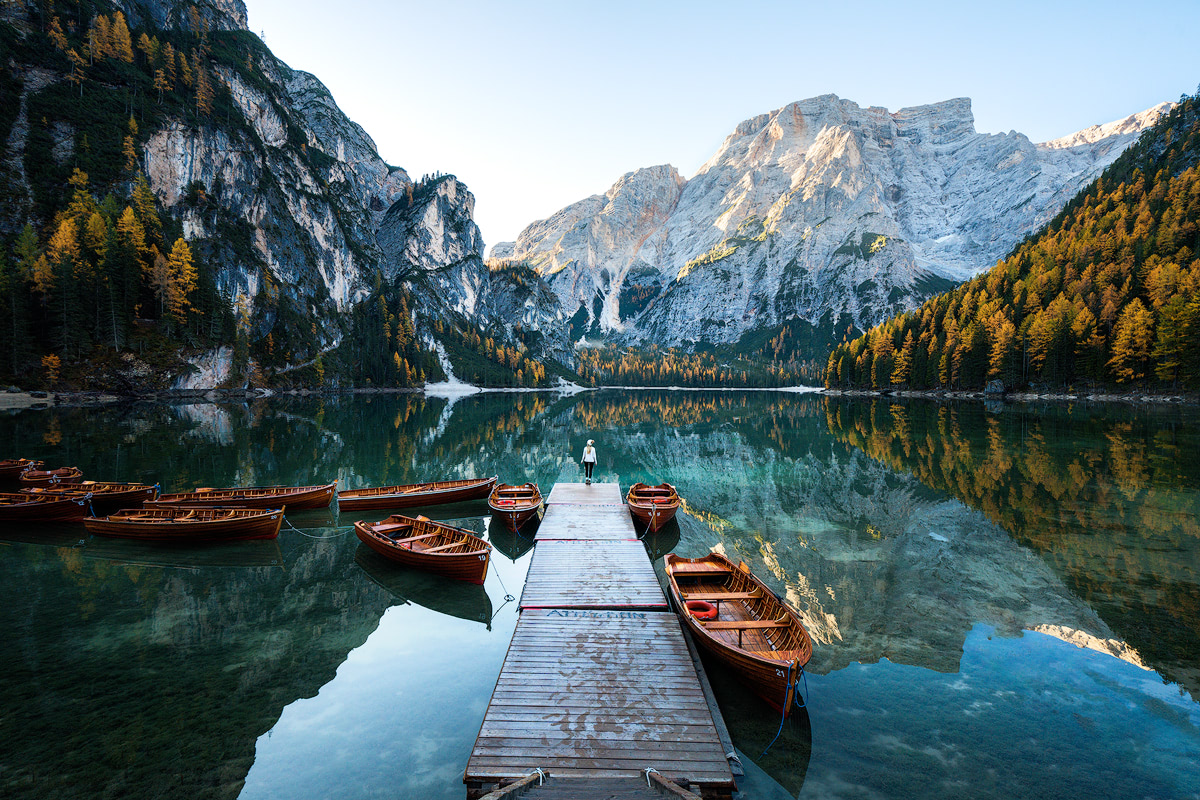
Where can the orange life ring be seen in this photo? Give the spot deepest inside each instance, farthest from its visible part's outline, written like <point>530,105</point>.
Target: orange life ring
<point>702,609</point>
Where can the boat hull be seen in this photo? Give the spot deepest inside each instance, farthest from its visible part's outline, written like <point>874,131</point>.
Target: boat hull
<point>652,506</point>
<point>471,565</point>
<point>772,679</point>
<point>235,528</point>
<point>290,498</point>
<point>32,508</point>
<point>515,505</point>
<point>105,497</point>
<point>55,477</point>
<point>11,468</point>
<point>412,495</point>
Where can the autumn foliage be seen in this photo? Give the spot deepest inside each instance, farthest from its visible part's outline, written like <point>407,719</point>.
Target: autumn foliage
<point>1107,294</point>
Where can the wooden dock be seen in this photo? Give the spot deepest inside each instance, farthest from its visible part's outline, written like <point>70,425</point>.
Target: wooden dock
<point>598,683</point>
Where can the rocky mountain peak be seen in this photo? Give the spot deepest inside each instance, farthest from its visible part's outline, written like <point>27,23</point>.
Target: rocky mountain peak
<point>220,15</point>
<point>816,212</point>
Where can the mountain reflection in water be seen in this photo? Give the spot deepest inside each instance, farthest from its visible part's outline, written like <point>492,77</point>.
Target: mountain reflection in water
<point>996,597</point>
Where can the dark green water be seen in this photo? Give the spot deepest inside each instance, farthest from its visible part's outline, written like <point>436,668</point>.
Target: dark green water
<point>1004,602</point>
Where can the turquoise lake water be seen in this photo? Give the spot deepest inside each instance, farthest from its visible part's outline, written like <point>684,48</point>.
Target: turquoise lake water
<point>1004,600</point>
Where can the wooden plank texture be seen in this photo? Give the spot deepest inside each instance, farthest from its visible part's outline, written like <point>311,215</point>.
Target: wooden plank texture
<point>624,696</point>
<point>564,521</point>
<point>591,574</point>
<point>583,494</point>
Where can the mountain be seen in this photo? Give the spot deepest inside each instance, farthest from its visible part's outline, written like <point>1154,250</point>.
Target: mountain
<point>821,214</point>
<point>1107,293</point>
<point>295,229</point>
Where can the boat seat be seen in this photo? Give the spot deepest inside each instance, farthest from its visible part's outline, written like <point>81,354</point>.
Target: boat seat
<point>411,538</point>
<point>721,595</point>
<point>691,572</point>
<point>746,625</point>
<point>443,547</point>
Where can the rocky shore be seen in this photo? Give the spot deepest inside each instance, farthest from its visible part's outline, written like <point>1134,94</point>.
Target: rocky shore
<point>14,400</point>
<point>1027,396</point>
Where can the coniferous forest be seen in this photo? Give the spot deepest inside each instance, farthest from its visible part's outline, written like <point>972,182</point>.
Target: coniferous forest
<point>1107,294</point>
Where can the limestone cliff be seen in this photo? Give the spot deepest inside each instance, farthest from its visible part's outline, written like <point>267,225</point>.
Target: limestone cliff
<point>817,209</point>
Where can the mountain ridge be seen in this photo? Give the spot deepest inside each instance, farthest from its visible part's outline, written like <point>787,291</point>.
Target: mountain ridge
<point>817,211</point>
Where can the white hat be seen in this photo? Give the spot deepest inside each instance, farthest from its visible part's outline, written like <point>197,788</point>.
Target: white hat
<point>590,441</point>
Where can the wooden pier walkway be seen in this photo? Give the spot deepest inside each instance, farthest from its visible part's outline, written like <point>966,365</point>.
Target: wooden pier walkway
<point>598,683</point>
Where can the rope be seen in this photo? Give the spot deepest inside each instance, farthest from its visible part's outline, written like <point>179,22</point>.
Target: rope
<point>783,716</point>
<point>647,772</point>
<point>311,536</point>
<point>508,598</point>
<point>541,775</point>
<point>796,697</point>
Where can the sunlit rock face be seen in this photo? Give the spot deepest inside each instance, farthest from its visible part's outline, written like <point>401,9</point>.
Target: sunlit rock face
<point>818,208</point>
<point>429,239</point>
<point>303,188</point>
<point>588,250</point>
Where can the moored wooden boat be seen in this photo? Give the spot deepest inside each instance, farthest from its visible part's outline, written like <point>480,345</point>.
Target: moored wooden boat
<point>11,468</point>
<point>292,498</point>
<point>425,544</point>
<point>653,506</point>
<point>515,505</point>
<point>22,507</point>
<point>179,524</point>
<point>51,477</point>
<point>106,496</point>
<point>415,494</point>
<point>744,624</point>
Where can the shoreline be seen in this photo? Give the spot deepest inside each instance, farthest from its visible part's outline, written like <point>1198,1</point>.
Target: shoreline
<point>1148,398</point>
<point>38,400</point>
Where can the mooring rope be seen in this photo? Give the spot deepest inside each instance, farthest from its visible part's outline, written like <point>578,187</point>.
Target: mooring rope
<point>783,717</point>
<point>348,528</point>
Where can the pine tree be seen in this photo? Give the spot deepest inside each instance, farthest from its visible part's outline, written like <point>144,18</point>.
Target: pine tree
<point>204,90</point>
<point>14,299</point>
<point>182,280</point>
<point>1133,339</point>
<point>122,45</point>
<point>1171,345</point>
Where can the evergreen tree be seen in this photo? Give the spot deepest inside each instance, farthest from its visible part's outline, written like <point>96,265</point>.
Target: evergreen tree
<point>1133,339</point>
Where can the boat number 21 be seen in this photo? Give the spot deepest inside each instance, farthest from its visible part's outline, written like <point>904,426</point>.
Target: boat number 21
<point>780,673</point>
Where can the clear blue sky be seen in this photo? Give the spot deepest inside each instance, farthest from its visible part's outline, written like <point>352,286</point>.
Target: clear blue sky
<point>535,105</point>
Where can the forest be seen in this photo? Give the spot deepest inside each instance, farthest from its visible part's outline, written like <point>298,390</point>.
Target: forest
<point>1106,295</point>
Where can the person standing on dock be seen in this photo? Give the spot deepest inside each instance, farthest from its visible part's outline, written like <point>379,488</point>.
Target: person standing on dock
<point>589,460</point>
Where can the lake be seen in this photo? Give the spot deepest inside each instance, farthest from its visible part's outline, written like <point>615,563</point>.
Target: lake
<point>1004,599</point>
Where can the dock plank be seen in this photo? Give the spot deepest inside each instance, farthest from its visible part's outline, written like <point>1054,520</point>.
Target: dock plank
<point>568,521</point>
<point>591,574</point>
<point>583,494</point>
<point>598,681</point>
<point>621,700</point>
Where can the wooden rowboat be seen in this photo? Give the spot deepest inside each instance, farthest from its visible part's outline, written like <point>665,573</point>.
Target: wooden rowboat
<point>653,506</point>
<point>106,496</point>
<point>746,625</point>
<point>22,507</point>
<point>11,468</point>
<point>515,505</point>
<point>415,494</point>
<point>291,497</point>
<point>422,543</point>
<point>51,477</point>
<point>189,524</point>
